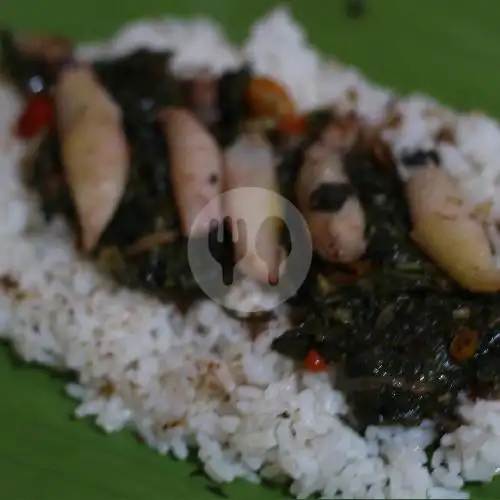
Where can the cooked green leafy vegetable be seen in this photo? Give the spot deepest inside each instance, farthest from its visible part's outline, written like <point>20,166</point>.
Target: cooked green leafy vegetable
<point>142,245</point>
<point>404,339</point>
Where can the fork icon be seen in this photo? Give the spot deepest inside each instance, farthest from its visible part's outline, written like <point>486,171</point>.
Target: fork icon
<point>222,234</point>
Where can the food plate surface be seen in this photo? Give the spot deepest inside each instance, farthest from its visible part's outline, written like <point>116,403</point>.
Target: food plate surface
<point>446,49</point>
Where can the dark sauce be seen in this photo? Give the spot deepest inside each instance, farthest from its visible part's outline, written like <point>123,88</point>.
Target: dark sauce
<point>330,197</point>
<point>421,158</point>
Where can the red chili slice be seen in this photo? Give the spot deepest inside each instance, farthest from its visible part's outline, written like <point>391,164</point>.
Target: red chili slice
<point>314,362</point>
<point>37,114</point>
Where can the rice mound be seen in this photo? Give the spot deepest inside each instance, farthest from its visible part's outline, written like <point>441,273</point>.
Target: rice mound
<point>200,381</point>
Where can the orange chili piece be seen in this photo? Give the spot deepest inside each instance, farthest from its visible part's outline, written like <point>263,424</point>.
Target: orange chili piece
<point>292,125</point>
<point>315,363</point>
<point>37,114</point>
<point>361,267</point>
<point>267,98</point>
<point>464,344</point>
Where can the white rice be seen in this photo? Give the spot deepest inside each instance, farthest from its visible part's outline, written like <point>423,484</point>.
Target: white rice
<point>201,381</point>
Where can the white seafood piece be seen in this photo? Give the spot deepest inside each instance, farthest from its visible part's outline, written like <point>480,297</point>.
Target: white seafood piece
<point>332,210</point>
<point>250,164</point>
<point>93,149</point>
<point>196,170</point>
<point>448,229</point>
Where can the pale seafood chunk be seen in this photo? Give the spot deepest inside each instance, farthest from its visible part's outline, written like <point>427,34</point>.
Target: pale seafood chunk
<point>93,149</point>
<point>196,169</point>
<point>449,230</point>
<point>249,164</point>
<point>327,199</point>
